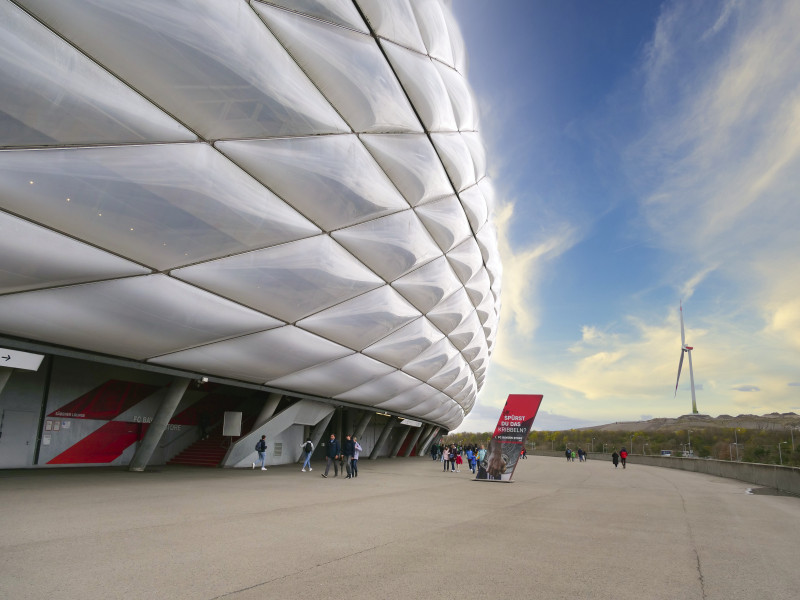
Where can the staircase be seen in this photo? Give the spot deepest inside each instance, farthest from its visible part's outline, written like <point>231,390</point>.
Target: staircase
<point>210,451</point>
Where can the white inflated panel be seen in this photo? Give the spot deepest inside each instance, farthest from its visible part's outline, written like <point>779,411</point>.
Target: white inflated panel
<point>465,333</point>
<point>466,259</point>
<point>450,313</point>
<point>381,389</point>
<point>290,281</point>
<point>348,68</point>
<point>412,164</point>
<point>332,180</point>
<point>364,320</point>
<point>211,61</point>
<point>433,29</point>
<point>456,158</point>
<point>334,377</point>
<point>478,286</point>
<point>477,151</point>
<point>339,12</point>
<point>164,205</point>
<point>259,357</point>
<point>391,246</point>
<point>487,241</point>
<point>446,221</point>
<point>406,344</point>
<point>431,361</point>
<point>448,374</point>
<point>393,20</point>
<point>456,41</point>
<point>428,285</point>
<point>35,257</point>
<point>413,401</point>
<point>36,67</point>
<point>474,206</point>
<point>136,317</point>
<point>424,86</point>
<point>460,95</point>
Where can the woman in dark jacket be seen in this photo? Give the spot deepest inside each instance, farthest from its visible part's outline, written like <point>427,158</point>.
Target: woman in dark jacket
<point>615,459</point>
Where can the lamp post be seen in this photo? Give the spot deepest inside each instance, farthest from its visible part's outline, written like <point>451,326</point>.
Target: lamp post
<point>593,445</point>
<point>736,439</point>
<point>631,443</point>
<point>604,448</point>
<point>643,447</point>
<point>689,433</point>
<point>780,457</point>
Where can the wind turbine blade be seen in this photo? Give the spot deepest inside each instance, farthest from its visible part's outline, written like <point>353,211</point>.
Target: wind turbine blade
<point>680,364</point>
<point>683,337</point>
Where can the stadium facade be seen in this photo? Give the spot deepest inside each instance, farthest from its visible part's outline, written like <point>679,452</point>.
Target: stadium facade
<point>271,217</point>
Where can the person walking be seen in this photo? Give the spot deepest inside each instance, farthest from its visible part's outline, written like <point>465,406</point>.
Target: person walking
<point>623,456</point>
<point>471,459</point>
<point>459,462</point>
<point>332,454</point>
<point>446,458</point>
<point>568,454</point>
<point>356,452</point>
<point>348,449</point>
<point>308,448</point>
<point>261,448</point>
<point>453,454</point>
<point>615,459</point>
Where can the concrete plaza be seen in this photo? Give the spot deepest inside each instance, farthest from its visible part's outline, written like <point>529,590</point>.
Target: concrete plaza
<point>402,529</point>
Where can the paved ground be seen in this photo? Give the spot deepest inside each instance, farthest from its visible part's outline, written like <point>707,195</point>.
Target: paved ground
<point>403,529</point>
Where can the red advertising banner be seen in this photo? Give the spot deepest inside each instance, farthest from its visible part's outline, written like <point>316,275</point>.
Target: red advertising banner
<point>509,437</point>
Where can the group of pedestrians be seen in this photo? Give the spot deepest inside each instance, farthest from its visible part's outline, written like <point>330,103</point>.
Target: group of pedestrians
<point>621,457</point>
<point>453,456</point>
<point>580,454</point>
<point>345,455</point>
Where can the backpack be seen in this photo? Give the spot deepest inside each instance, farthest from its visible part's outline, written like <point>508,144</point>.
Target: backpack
<point>259,448</point>
<point>309,447</point>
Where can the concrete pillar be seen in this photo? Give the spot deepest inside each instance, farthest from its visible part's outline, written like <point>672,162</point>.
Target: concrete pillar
<point>426,445</point>
<point>362,424</point>
<point>270,406</point>
<point>349,417</point>
<point>413,442</point>
<point>4,376</point>
<point>387,429</point>
<point>337,425</point>
<point>316,434</point>
<point>159,425</point>
<point>399,443</point>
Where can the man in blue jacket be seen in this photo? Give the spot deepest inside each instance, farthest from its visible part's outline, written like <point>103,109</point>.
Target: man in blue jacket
<point>348,450</point>
<point>332,456</point>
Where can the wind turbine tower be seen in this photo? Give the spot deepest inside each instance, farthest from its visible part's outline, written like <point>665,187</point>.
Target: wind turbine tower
<point>686,350</point>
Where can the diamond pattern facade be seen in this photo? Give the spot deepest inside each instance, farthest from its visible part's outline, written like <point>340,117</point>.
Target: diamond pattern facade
<point>285,193</point>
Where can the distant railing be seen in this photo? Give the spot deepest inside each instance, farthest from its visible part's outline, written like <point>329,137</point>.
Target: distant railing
<point>784,479</point>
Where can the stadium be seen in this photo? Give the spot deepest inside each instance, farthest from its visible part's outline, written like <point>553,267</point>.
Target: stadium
<point>227,219</point>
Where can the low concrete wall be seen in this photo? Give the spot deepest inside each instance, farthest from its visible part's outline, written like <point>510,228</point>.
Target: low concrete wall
<point>784,479</point>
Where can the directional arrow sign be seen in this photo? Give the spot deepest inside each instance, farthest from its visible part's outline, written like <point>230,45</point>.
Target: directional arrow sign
<point>17,359</point>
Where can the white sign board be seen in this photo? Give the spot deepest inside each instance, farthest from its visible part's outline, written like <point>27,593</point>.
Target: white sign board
<point>410,423</point>
<point>232,423</point>
<point>17,359</point>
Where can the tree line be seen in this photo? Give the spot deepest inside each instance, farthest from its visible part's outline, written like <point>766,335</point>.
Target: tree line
<point>745,445</point>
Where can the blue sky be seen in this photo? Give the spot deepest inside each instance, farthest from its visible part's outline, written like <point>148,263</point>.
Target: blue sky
<point>643,154</point>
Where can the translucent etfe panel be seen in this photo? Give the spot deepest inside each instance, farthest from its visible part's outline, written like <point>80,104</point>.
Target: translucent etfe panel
<point>433,29</point>
<point>487,189</point>
<point>456,158</point>
<point>380,390</point>
<point>394,21</point>
<point>448,373</point>
<point>52,94</point>
<point>391,246</point>
<point>362,321</point>
<point>478,152</point>
<point>163,205</point>
<point>35,257</point>
<point>332,180</point>
<point>405,344</point>
<point>426,286</point>
<point>211,63</point>
<point>413,402</point>
<point>455,388</point>
<point>340,12</point>
<point>495,268</point>
<point>478,287</point>
<point>467,332</point>
<point>289,281</point>
<point>487,241</point>
<point>446,221</point>
<point>334,377</point>
<point>259,357</point>
<point>460,96</point>
<point>444,406</point>
<point>456,41</point>
<point>424,86</point>
<point>450,313</point>
<point>474,206</point>
<point>466,259</point>
<point>430,362</point>
<point>486,308</point>
<point>135,317</point>
<point>412,164</point>
<point>349,69</point>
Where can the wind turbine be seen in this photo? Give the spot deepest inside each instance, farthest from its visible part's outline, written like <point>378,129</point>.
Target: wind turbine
<point>688,350</point>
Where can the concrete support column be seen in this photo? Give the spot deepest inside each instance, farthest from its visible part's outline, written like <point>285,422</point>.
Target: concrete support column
<point>270,406</point>
<point>426,445</point>
<point>337,425</point>
<point>362,423</point>
<point>159,425</point>
<point>399,443</point>
<point>316,434</point>
<point>387,429</point>
<point>349,417</point>
<point>413,442</point>
<point>4,376</point>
